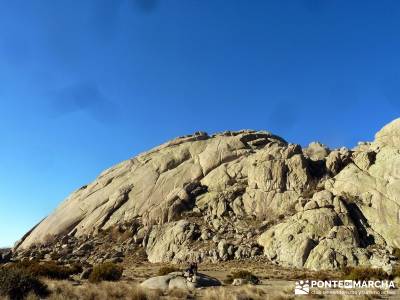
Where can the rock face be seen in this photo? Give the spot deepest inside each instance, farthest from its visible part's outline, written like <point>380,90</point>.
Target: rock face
<point>241,194</point>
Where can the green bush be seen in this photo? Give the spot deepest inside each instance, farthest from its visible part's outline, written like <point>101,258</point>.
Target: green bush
<point>106,271</point>
<point>364,273</point>
<point>17,283</point>
<point>166,270</point>
<point>243,274</point>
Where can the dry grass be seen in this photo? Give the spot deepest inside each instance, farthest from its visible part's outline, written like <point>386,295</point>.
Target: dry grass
<point>364,273</point>
<point>61,290</point>
<point>243,293</point>
<point>166,270</point>
<point>179,294</point>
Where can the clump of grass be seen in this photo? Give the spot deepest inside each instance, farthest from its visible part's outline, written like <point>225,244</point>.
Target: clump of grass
<point>165,270</point>
<point>247,275</point>
<point>107,272</point>
<point>364,273</point>
<point>17,284</point>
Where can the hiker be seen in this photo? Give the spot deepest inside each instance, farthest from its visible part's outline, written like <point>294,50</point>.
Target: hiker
<point>191,270</point>
<point>193,266</point>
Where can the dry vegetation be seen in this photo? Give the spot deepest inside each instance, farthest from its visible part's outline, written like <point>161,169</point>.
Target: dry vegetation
<point>61,290</point>
<point>247,293</point>
<point>107,272</point>
<point>396,253</point>
<point>164,270</point>
<point>48,269</point>
<point>275,282</point>
<point>365,273</point>
<point>17,283</point>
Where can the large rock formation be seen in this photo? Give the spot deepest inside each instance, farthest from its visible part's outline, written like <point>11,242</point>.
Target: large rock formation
<point>241,194</point>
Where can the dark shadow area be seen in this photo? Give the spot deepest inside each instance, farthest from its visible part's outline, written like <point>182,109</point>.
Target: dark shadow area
<point>361,224</point>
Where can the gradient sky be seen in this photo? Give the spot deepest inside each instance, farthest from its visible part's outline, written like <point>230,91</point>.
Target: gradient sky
<point>86,84</point>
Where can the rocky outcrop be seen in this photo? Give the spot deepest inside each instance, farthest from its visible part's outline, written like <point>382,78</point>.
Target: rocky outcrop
<point>5,255</point>
<point>238,195</point>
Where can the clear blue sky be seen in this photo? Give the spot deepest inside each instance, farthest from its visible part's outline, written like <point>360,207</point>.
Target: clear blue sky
<point>86,84</point>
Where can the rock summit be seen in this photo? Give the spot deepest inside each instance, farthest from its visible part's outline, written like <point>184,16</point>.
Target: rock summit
<point>236,195</point>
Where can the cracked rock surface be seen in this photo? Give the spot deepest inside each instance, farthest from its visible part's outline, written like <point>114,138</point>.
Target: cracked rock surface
<point>243,194</point>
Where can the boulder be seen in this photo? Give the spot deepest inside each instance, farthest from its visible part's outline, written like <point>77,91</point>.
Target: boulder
<point>315,238</point>
<point>239,281</point>
<point>177,280</point>
<point>170,242</point>
<point>316,151</point>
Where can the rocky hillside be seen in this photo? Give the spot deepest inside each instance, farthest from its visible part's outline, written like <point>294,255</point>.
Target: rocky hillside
<point>236,195</point>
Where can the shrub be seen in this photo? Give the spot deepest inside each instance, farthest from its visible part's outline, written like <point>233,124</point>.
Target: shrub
<point>396,253</point>
<point>55,256</point>
<point>51,270</point>
<point>17,283</point>
<point>166,270</point>
<point>396,271</point>
<point>76,268</point>
<point>47,269</point>
<point>364,273</point>
<point>243,274</point>
<point>49,239</point>
<point>106,271</point>
<point>228,279</point>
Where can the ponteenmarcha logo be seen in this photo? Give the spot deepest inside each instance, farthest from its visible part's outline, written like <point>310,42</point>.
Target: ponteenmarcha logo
<point>303,287</point>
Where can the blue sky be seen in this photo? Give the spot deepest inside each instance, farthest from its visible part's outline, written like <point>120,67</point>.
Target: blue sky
<point>86,84</point>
